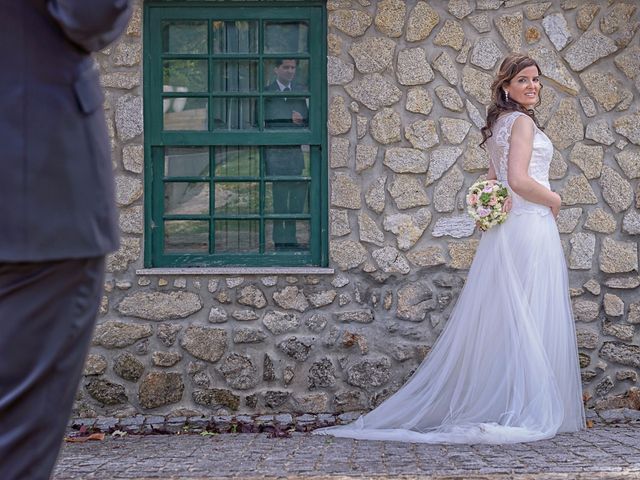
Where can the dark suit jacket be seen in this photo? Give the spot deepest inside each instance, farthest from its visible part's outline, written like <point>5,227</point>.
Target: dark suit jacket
<point>278,111</point>
<point>56,180</point>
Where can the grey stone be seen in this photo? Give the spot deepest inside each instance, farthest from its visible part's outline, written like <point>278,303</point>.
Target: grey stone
<point>583,248</point>
<point>160,388</point>
<point>415,300</point>
<point>252,296</point>
<point>476,118</point>
<point>365,156</point>
<point>373,54</point>
<point>390,16</point>
<point>481,22</point>
<point>339,222</point>
<point>618,257</point>
<point>406,160</point>
<point>587,338</point>
<point>268,369</point>
<point>586,14</point>
<point>556,28</point>
<point>131,220</point>
<point>375,196</point>
<point>454,130</point>
<point>291,298</point>
<point>127,54</point>
<point>418,101</point>
<point>385,126</point>
<point>374,91</point>
<point>129,119</point>
<point>621,353</point>
<point>558,167</point>
<point>631,223</point>
<point>165,359</point>
<point>585,310</point>
<point>248,335</point>
<point>133,158</point>
<point>427,257</point>
<point>239,371</point>
<point>322,298</point>
<point>604,88</point>
<point>590,47</point>
<point>568,219</point>
<point>444,64</point>
<point>449,98</point>
<point>629,61</point>
<point>488,4</point>
<point>536,11</point>
<point>106,392</point>
<point>407,192</point>
<point>352,22</point>
<point>128,190</point>
<point>477,84</point>
<point>128,367</point>
<point>121,80</point>
<point>216,397</point>
<point>322,374</point>
<point>362,126</point>
<point>577,191</point>
<point>510,27</point>
<point>589,108</point>
<point>485,53</point>
<point>459,8</point>
<point>423,135</point>
<point>616,191</point>
<point>616,18</point>
<point>413,67</point>
<point>462,253</point>
<point>629,127</point>
<point>339,153</point>
<point>128,252</point>
<point>297,349</point>
<point>446,190</point>
<point>589,158</point>
<point>600,221</point>
<point>408,228</point>
<point>459,226</point>
<point>629,161</point>
<point>355,316</point>
<point>311,403</point>
<point>623,282</point>
<point>613,305</point>
<point>450,35</point>
<point>604,386</point>
<point>599,131</point>
<point>345,191</point>
<point>565,126</point>
<point>94,365</point>
<point>369,231</point>
<point>369,373</point>
<point>115,334</point>
<point>205,343</point>
<point>592,286</point>
<point>347,254</point>
<point>280,322</point>
<point>441,160</point>
<point>553,68</point>
<point>422,20</point>
<point>160,305</point>
<point>217,315</point>
<point>339,116</point>
<point>338,72</point>
<point>390,260</point>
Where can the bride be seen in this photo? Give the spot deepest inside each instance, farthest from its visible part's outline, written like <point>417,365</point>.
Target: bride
<point>505,368</point>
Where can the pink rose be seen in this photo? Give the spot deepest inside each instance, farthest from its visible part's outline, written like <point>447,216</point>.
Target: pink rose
<point>473,199</point>
<point>493,201</point>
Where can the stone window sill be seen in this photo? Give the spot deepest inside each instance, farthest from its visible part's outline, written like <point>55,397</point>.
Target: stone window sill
<point>237,271</point>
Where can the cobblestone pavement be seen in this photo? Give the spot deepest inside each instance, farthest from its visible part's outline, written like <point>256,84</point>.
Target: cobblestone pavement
<point>603,452</point>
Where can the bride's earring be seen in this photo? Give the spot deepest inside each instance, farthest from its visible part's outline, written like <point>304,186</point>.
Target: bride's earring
<point>506,96</point>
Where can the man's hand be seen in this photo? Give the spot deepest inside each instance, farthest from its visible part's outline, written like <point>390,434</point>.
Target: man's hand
<point>297,118</point>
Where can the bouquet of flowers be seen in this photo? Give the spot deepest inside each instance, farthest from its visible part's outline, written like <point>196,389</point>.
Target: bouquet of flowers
<point>485,203</point>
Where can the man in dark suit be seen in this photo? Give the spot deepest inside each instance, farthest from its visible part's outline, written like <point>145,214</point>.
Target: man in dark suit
<point>286,113</point>
<point>58,216</point>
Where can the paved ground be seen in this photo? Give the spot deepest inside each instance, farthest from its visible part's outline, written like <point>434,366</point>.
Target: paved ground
<point>603,452</point>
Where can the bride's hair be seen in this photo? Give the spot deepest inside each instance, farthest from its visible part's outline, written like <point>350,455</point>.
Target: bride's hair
<point>509,68</point>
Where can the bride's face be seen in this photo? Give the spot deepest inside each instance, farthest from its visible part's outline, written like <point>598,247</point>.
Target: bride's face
<point>524,88</point>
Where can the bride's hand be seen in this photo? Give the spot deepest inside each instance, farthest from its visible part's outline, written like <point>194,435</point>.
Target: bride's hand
<point>506,208</point>
<point>555,206</point>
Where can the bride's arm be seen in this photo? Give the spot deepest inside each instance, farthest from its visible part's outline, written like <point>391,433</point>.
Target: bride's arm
<point>520,149</point>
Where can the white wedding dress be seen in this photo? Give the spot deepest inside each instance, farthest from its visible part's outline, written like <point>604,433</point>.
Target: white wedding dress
<point>505,368</point>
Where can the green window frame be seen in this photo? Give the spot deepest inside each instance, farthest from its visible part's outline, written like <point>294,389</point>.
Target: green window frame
<point>212,194</point>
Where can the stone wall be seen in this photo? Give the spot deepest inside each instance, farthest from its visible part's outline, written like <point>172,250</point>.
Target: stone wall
<point>408,86</point>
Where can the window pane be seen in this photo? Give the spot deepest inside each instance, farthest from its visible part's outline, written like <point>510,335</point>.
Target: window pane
<point>185,113</point>
<point>186,198</point>
<point>288,72</point>
<point>287,197</point>
<point>235,76</point>
<point>184,36</point>
<point>237,198</point>
<point>235,36</point>
<point>235,114</point>
<point>286,161</point>
<point>287,235</point>
<point>286,37</point>
<point>233,161</point>
<point>184,75</point>
<point>186,236</point>
<point>186,162</point>
<point>286,112</point>
<point>234,236</point>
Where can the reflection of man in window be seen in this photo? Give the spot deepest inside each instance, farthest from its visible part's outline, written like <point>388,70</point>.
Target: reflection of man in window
<point>283,112</point>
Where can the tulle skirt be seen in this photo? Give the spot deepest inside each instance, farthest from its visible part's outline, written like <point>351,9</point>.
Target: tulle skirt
<point>505,367</point>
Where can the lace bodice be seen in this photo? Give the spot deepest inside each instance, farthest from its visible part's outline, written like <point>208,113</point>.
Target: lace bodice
<point>498,147</point>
